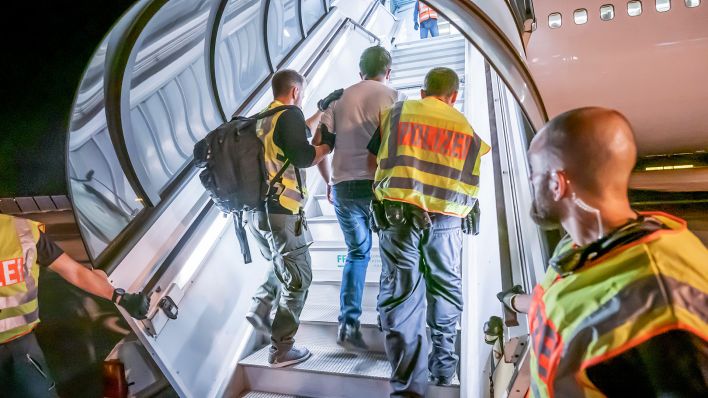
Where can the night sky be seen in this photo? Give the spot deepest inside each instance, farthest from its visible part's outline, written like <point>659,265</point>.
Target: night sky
<point>46,50</point>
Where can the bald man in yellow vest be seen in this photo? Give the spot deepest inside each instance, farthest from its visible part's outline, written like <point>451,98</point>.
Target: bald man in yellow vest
<point>623,308</point>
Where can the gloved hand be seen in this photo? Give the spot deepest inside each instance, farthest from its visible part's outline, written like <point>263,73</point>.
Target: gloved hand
<point>415,26</point>
<point>333,96</point>
<point>327,138</point>
<point>493,330</point>
<point>506,296</point>
<point>136,304</point>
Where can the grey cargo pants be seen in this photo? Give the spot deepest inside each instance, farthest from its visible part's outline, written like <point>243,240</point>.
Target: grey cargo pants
<point>23,370</point>
<point>289,277</point>
<point>419,265</point>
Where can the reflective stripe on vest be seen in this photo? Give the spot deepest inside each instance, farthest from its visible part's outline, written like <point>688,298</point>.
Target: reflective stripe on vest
<point>19,276</point>
<point>429,157</point>
<point>288,193</point>
<point>645,288</point>
<point>425,13</point>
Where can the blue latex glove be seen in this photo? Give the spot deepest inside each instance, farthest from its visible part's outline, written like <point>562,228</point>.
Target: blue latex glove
<point>415,26</point>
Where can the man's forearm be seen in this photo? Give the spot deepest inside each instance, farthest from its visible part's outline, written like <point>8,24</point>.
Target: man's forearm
<point>522,303</point>
<point>91,281</point>
<point>321,152</point>
<point>314,120</point>
<point>372,163</point>
<point>325,170</point>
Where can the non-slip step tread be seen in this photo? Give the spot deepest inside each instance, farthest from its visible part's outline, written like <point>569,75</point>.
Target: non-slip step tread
<point>405,45</point>
<point>334,360</point>
<point>331,359</point>
<point>261,394</point>
<point>324,313</point>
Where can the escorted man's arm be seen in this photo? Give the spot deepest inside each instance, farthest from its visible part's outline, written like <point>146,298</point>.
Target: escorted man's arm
<point>324,166</point>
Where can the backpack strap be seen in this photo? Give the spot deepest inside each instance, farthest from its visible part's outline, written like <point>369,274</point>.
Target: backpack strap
<point>299,182</point>
<point>271,112</point>
<point>277,179</point>
<point>242,237</point>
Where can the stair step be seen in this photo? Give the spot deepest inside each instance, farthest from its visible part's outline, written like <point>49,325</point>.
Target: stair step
<point>448,58</point>
<point>330,372</point>
<point>326,208</point>
<point>426,50</point>
<point>431,41</point>
<point>334,274</point>
<point>261,394</point>
<point>320,322</point>
<point>331,263</point>
<point>327,293</point>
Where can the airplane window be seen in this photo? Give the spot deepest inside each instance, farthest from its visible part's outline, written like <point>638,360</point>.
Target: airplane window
<point>692,3</point>
<point>634,8</point>
<point>555,20</point>
<point>663,5</point>
<point>607,12</point>
<point>580,16</point>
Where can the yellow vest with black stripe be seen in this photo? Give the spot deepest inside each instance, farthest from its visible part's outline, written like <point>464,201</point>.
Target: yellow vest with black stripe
<point>612,304</point>
<point>289,196</point>
<point>429,157</point>
<point>19,277</point>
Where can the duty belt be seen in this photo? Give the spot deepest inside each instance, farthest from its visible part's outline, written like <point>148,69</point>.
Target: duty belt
<point>390,213</point>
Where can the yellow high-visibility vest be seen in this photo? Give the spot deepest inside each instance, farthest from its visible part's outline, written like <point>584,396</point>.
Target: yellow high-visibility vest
<point>289,196</point>
<point>429,157</point>
<point>425,13</point>
<point>19,277</point>
<point>614,303</point>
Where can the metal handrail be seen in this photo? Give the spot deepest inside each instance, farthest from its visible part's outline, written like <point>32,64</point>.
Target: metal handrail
<point>133,232</point>
<point>167,260</point>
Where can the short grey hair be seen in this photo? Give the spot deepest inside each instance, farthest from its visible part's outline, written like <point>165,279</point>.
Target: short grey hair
<point>441,82</point>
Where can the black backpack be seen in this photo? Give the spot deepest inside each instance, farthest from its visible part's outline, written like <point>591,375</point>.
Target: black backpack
<point>235,175</point>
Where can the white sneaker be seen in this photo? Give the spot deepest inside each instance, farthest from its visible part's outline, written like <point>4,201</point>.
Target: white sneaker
<point>295,355</point>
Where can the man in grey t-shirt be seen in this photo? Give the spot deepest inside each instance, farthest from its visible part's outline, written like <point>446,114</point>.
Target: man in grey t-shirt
<point>355,118</point>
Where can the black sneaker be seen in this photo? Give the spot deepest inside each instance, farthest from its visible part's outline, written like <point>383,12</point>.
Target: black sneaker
<point>260,323</point>
<point>350,338</point>
<point>295,355</point>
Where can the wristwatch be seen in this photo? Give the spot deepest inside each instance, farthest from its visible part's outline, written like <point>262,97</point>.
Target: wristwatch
<point>117,292</point>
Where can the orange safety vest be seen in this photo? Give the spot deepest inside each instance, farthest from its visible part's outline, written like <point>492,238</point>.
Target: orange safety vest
<point>613,304</point>
<point>425,13</point>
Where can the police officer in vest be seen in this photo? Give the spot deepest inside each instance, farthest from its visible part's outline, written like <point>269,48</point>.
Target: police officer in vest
<point>281,228</point>
<point>623,308</point>
<point>23,249</point>
<point>426,185</point>
<point>426,19</point>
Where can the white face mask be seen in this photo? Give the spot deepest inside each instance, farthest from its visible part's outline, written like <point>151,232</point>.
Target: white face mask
<point>586,207</point>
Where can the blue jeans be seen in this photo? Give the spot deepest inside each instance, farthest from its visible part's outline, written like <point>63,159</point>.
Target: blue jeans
<point>351,204</point>
<point>429,26</point>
